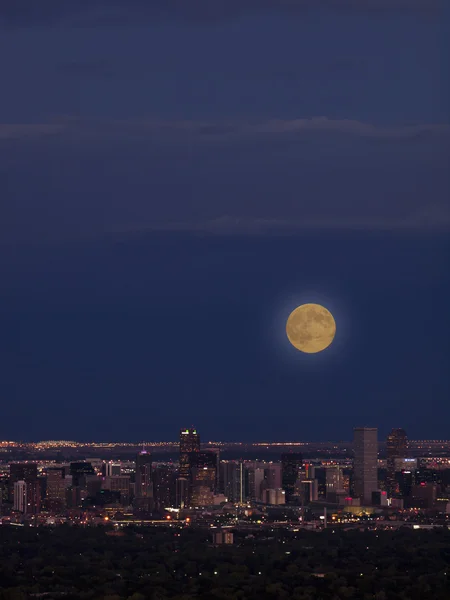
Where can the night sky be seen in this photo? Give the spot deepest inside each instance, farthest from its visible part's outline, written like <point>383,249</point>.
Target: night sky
<point>176,177</point>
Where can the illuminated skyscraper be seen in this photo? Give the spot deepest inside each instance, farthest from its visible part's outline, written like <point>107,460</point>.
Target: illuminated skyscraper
<point>56,489</point>
<point>202,478</point>
<point>20,496</point>
<point>291,464</point>
<point>189,443</point>
<point>334,479</point>
<point>396,447</point>
<point>365,463</point>
<point>216,452</point>
<point>164,486</point>
<point>233,480</point>
<point>143,491</point>
<point>256,482</point>
<point>25,473</point>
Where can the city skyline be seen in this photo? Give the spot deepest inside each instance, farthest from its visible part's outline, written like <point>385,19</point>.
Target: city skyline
<point>409,477</point>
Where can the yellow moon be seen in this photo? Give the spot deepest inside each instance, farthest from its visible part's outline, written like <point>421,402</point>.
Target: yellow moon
<point>310,328</point>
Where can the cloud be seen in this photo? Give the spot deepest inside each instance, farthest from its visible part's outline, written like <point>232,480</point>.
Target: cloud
<point>272,177</point>
<point>19,13</point>
<point>15,131</point>
<point>159,130</point>
<point>433,219</point>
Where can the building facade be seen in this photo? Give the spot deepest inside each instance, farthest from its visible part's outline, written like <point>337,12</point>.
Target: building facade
<point>396,448</point>
<point>365,463</point>
<point>291,465</point>
<point>55,497</point>
<point>202,478</point>
<point>189,445</point>
<point>143,486</point>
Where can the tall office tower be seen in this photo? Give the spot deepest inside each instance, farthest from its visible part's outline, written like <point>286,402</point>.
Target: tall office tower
<point>243,482</point>
<point>365,465</point>
<point>334,479</point>
<point>79,472</point>
<point>406,480</point>
<point>164,487</point>
<point>272,474</point>
<point>396,447</point>
<point>216,452</point>
<point>189,444</point>
<point>256,482</point>
<point>143,491</point>
<point>309,491</point>
<point>229,480</point>
<point>3,493</point>
<point>119,484</point>
<point>233,480</point>
<point>27,473</point>
<point>21,472</point>
<point>20,496</point>
<point>55,496</point>
<point>27,497</point>
<point>202,478</point>
<point>291,464</point>
<point>182,492</point>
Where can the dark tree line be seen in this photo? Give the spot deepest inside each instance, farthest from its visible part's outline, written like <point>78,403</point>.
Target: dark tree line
<point>91,564</point>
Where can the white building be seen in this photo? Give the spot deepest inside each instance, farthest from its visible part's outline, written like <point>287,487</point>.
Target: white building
<point>20,496</point>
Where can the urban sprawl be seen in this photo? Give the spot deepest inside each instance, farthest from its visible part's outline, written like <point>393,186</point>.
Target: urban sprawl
<point>362,484</point>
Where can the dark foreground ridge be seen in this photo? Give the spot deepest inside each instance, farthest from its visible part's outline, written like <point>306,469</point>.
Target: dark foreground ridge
<point>101,563</point>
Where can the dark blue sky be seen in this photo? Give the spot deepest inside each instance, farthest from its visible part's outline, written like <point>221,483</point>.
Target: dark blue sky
<point>173,181</point>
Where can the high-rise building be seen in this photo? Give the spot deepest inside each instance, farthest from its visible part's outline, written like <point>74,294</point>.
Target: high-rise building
<point>334,479</point>
<point>233,480</point>
<point>182,492</point>
<point>21,472</point>
<point>120,484</point>
<point>229,480</point>
<point>27,497</point>
<point>202,478</point>
<point>20,496</point>
<point>25,472</point>
<point>272,474</point>
<point>189,444</point>
<point>396,448</point>
<point>309,491</point>
<point>291,464</point>
<point>365,463</point>
<point>143,490</point>
<point>256,482</point>
<point>79,472</point>
<point>164,487</point>
<point>405,480</point>
<point>216,452</point>
<point>55,497</point>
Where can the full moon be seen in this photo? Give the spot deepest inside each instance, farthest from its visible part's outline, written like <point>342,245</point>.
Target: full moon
<point>310,328</point>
